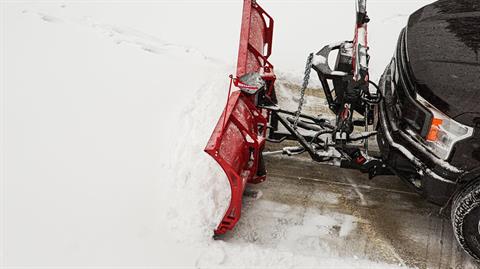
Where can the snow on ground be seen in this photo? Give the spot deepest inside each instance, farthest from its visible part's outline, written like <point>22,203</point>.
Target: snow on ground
<point>106,109</point>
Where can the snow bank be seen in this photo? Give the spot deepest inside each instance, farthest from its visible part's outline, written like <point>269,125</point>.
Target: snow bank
<point>200,190</point>
<point>94,113</point>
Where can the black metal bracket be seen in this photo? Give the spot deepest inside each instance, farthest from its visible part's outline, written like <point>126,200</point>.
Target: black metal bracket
<point>350,156</point>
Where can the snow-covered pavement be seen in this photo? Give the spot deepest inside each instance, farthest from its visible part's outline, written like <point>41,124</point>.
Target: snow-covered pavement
<point>105,109</point>
<point>324,212</point>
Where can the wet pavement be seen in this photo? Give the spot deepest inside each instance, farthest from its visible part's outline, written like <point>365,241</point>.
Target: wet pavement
<point>312,209</point>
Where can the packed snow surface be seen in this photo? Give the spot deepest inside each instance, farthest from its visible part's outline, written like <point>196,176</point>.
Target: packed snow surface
<point>106,109</point>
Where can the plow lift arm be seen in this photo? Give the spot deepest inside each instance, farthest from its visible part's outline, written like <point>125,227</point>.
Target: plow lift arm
<point>252,115</point>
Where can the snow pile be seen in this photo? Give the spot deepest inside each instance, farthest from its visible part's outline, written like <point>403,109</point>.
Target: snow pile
<point>200,190</point>
<point>94,114</point>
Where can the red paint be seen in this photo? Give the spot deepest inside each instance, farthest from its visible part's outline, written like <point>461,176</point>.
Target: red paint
<point>256,35</point>
<point>237,142</point>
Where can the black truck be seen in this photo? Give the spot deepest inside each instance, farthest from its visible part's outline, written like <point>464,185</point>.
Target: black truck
<point>429,118</point>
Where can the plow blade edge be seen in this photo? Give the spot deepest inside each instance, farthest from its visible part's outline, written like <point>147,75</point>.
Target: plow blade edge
<point>239,136</point>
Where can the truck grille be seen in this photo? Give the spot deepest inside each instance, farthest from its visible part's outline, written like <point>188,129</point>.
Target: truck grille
<point>411,112</point>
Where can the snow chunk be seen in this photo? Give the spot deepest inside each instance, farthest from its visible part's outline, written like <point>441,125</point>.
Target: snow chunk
<point>319,59</point>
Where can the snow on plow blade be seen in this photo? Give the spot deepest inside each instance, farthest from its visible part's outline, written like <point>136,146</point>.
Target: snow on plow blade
<point>239,136</point>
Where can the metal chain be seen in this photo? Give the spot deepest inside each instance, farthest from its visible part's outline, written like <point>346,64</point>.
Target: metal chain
<point>306,78</point>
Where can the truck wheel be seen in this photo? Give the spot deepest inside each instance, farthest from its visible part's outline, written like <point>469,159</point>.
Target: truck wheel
<point>466,219</point>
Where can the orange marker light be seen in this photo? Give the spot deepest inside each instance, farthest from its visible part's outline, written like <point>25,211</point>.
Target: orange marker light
<point>433,132</point>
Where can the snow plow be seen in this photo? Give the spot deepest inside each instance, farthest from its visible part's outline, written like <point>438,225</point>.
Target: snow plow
<point>252,116</point>
<point>419,137</point>
<point>239,137</point>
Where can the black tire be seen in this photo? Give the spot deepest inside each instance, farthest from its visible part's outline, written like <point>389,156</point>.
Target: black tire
<point>466,219</point>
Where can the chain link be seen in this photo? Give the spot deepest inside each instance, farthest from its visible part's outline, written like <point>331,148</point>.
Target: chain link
<point>306,78</point>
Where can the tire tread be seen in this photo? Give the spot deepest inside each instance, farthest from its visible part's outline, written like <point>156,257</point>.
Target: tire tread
<point>465,201</point>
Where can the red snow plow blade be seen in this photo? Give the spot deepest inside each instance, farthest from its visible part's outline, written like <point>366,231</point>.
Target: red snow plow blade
<point>239,136</point>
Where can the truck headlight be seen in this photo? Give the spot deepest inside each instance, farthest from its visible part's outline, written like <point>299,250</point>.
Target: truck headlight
<point>444,132</point>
